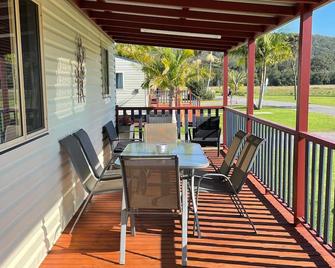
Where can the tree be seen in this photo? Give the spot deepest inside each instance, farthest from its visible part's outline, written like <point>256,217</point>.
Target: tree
<point>271,49</point>
<point>210,59</point>
<point>293,40</point>
<point>236,80</point>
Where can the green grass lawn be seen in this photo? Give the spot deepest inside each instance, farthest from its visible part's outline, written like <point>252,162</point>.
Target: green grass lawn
<point>319,100</point>
<point>318,122</point>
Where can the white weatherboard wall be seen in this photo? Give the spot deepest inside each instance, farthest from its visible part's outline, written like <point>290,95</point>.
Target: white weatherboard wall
<point>133,78</point>
<point>39,190</point>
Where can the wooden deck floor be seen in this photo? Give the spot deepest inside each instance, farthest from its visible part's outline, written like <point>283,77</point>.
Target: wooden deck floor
<point>227,240</point>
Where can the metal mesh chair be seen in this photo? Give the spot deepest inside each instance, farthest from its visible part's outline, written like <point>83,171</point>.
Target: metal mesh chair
<point>158,133</point>
<point>93,185</point>
<point>232,152</point>
<point>232,184</point>
<point>207,133</point>
<point>93,159</point>
<point>151,186</point>
<point>117,144</point>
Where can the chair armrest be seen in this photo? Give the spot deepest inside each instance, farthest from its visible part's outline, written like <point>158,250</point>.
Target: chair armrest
<point>209,176</point>
<point>110,162</point>
<point>190,133</point>
<point>129,139</point>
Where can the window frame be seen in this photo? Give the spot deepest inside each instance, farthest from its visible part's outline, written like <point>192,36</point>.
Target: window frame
<point>104,49</point>
<point>20,80</point>
<point>121,88</point>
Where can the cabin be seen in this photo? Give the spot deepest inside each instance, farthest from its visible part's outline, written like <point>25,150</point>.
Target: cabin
<point>129,79</point>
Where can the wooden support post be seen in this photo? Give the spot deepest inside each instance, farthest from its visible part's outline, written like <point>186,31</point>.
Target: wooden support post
<point>225,94</point>
<point>305,49</point>
<point>251,74</point>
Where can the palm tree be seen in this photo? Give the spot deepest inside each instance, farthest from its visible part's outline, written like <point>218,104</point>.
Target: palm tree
<point>236,80</point>
<point>168,69</point>
<point>293,40</point>
<point>271,49</point>
<point>210,58</point>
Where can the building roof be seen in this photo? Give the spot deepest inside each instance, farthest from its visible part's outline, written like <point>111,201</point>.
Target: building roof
<point>217,25</point>
<point>127,59</point>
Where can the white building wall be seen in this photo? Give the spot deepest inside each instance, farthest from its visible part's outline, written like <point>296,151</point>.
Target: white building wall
<point>39,190</point>
<point>133,78</point>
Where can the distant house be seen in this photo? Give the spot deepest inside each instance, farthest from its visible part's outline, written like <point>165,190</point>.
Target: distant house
<point>129,79</point>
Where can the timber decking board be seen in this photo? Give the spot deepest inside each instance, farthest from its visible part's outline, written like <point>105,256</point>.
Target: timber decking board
<point>228,240</point>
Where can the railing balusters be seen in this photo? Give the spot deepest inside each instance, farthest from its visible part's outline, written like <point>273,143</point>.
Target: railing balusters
<point>280,167</point>
<point>285,180</point>
<point>329,190</point>
<point>140,124</point>
<point>320,191</point>
<point>307,182</point>
<point>186,124</point>
<point>178,124</point>
<point>313,185</point>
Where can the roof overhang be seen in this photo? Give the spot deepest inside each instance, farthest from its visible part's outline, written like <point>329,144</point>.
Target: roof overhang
<point>204,25</point>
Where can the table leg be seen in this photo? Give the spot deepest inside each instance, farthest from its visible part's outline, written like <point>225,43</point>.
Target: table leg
<point>184,222</point>
<point>196,224</point>
<point>123,232</point>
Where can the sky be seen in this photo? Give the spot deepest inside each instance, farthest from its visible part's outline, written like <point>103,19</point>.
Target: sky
<point>323,22</point>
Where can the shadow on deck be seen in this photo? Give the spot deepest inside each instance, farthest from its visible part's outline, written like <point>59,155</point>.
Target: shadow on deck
<point>228,240</point>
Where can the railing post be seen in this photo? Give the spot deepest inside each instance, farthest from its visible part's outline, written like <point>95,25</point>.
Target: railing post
<point>305,48</point>
<point>117,118</point>
<point>251,73</point>
<point>225,94</point>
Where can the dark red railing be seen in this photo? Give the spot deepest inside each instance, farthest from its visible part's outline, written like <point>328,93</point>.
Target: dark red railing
<point>185,116</point>
<point>274,165</point>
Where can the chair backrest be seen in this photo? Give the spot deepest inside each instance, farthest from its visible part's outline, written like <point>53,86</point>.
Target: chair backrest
<point>245,161</point>
<point>232,152</point>
<point>160,133</point>
<point>207,127</point>
<point>212,122</point>
<point>110,130</point>
<point>79,162</point>
<point>151,182</point>
<point>159,118</point>
<point>12,132</point>
<point>89,151</point>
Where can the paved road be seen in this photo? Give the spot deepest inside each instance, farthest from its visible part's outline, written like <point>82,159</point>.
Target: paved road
<point>286,105</point>
<point>312,107</point>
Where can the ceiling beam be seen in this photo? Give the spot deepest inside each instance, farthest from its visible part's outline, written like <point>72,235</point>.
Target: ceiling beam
<point>162,40</point>
<point>106,18</point>
<point>138,26</point>
<point>227,6</point>
<point>178,13</point>
<point>172,45</point>
<point>194,40</point>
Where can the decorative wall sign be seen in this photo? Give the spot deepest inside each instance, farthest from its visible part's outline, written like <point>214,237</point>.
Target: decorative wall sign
<point>80,70</point>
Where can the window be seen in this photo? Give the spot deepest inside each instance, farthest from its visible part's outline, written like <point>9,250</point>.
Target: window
<point>21,88</point>
<point>105,72</point>
<point>119,80</point>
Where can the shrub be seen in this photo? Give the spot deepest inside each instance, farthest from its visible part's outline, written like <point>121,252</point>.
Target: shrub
<point>209,95</point>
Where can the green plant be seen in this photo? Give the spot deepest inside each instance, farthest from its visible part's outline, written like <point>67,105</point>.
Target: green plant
<point>208,95</point>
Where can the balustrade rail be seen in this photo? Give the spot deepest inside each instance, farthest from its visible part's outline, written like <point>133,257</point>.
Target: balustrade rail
<point>184,116</point>
<point>274,167</point>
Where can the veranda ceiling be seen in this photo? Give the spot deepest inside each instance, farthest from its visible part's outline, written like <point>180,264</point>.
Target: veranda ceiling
<point>197,24</point>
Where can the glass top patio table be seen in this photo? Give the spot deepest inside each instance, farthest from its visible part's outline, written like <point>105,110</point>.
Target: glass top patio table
<point>190,155</point>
